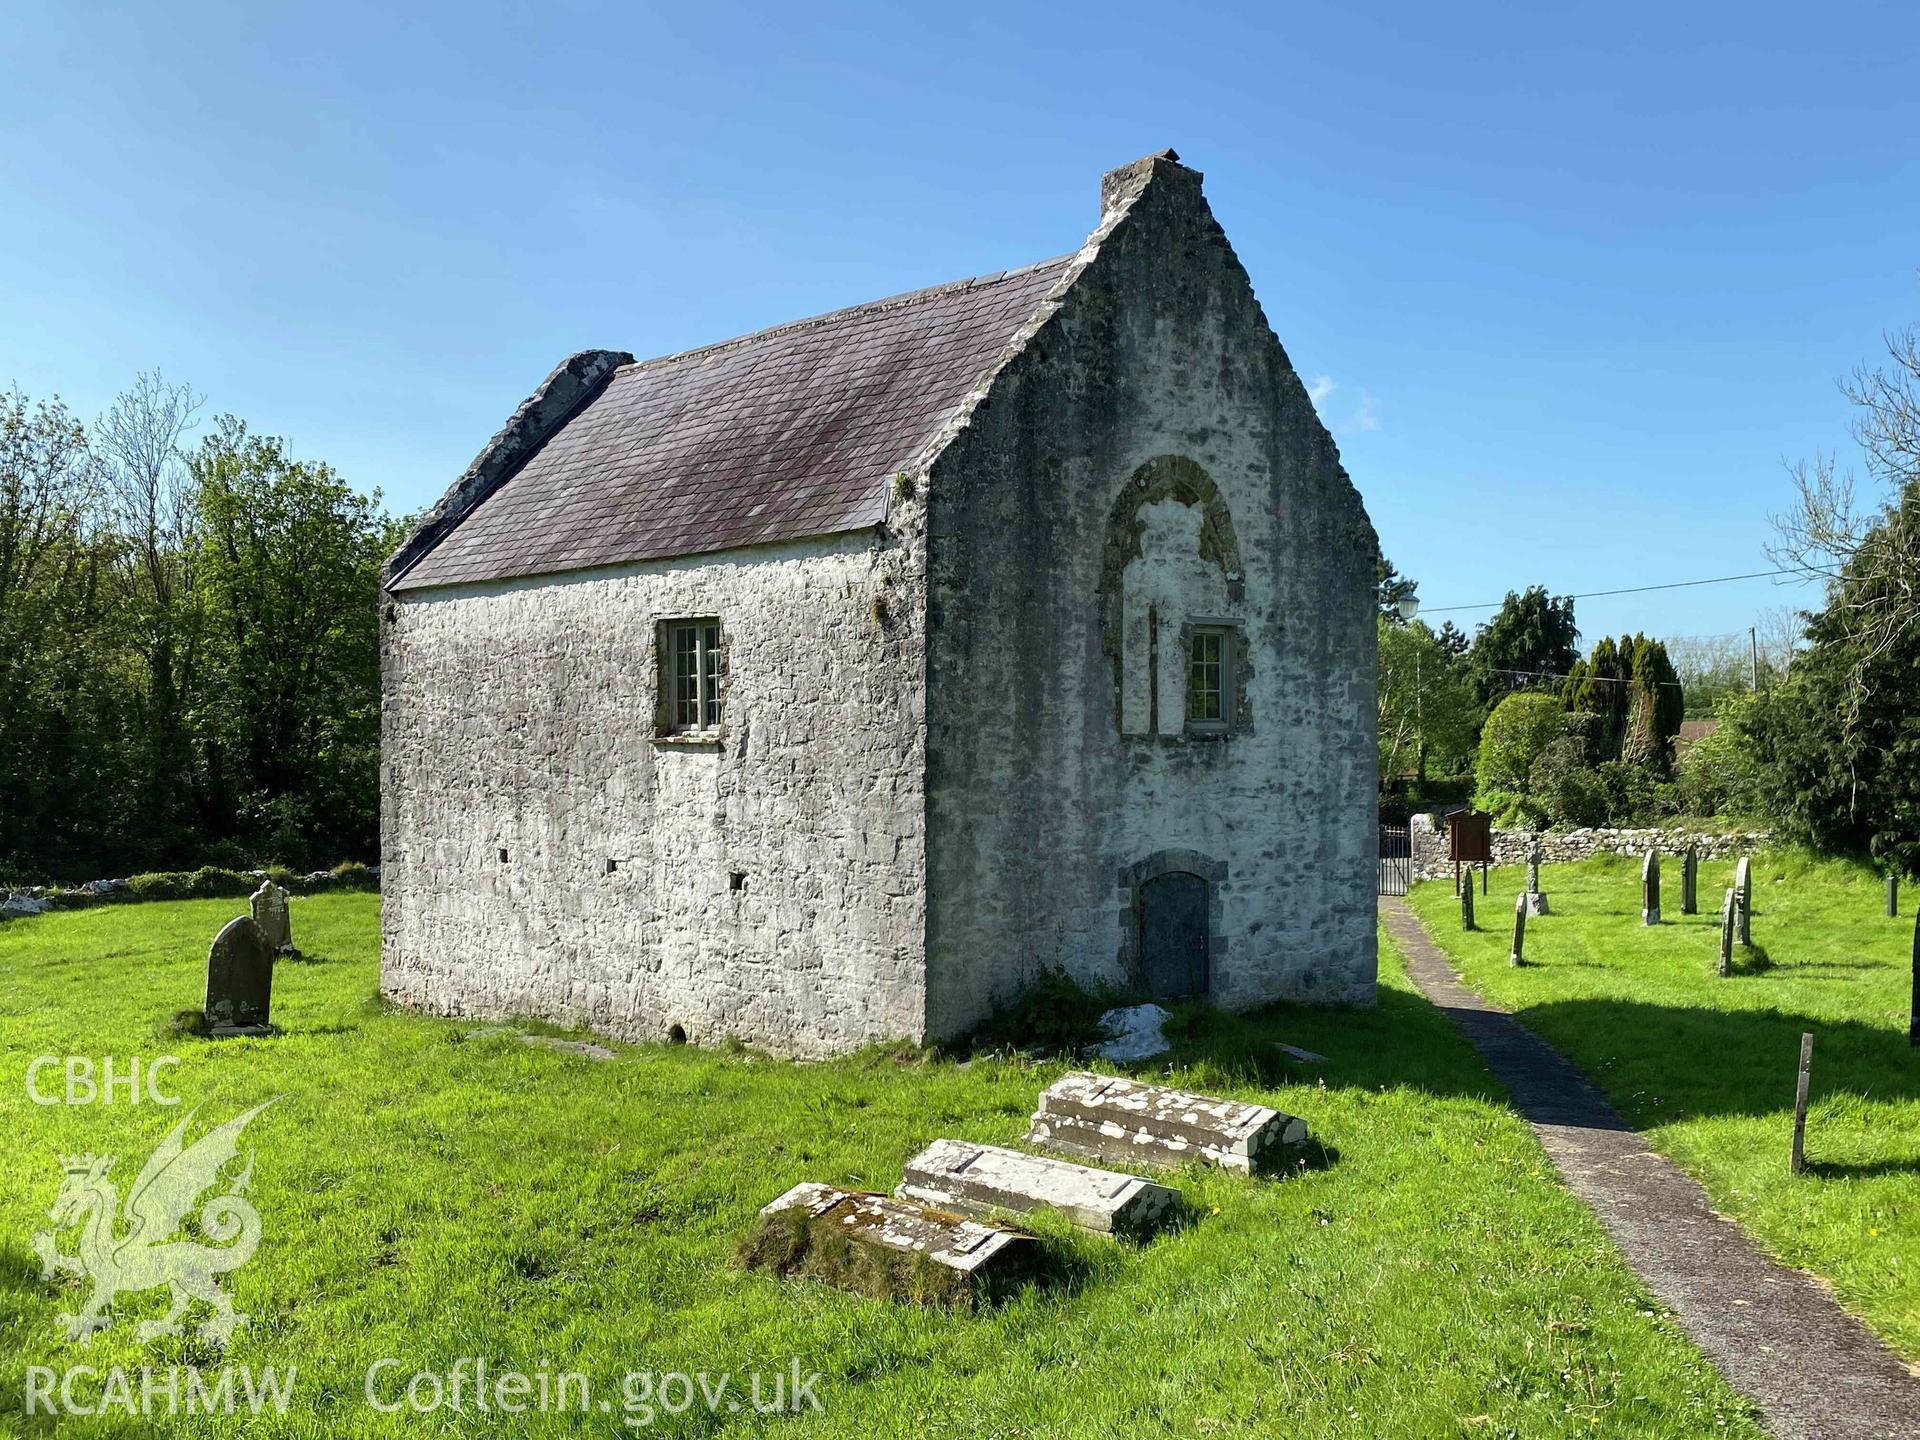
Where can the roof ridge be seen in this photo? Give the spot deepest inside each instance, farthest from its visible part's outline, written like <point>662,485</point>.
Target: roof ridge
<point>889,302</point>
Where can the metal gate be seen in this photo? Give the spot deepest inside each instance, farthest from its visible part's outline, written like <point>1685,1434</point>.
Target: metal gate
<point>1396,859</point>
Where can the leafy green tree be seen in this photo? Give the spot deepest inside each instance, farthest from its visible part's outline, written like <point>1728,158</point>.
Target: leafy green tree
<point>1720,773</point>
<point>1531,643</point>
<point>1427,710</point>
<point>150,495</point>
<point>289,560</point>
<point>1520,728</point>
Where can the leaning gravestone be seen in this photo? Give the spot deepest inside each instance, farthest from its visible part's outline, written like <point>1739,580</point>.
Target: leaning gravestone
<point>1650,889</point>
<point>1519,955</point>
<point>239,980</point>
<point>270,914</point>
<point>1690,881</point>
<point>1743,900</point>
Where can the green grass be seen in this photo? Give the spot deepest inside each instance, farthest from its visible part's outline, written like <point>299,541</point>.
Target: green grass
<point>428,1198</point>
<point>1706,1066</point>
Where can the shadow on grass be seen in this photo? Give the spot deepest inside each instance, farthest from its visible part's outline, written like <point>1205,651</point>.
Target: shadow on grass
<point>1703,1062</point>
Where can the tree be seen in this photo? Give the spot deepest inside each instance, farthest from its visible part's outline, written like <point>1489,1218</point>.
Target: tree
<point>1453,641</point>
<point>150,492</point>
<point>1635,696</point>
<point>289,560</point>
<point>56,617</point>
<point>1520,728</point>
<point>1655,705</point>
<point>1426,708</point>
<point>1531,643</point>
<point>1839,742</point>
<point>1867,551</point>
<point>1393,588</point>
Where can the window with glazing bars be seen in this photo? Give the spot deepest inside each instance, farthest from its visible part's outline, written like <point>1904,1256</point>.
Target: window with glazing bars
<point>1209,678</point>
<point>693,675</point>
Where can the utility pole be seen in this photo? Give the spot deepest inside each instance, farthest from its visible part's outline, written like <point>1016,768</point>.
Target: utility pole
<point>1753,639</point>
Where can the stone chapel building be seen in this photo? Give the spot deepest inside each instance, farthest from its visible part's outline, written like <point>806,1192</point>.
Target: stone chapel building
<point>825,685</point>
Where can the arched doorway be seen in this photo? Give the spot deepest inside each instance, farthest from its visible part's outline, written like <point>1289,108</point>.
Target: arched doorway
<point>1176,937</point>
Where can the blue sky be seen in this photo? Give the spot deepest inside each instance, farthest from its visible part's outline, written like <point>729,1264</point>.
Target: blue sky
<point>1574,281</point>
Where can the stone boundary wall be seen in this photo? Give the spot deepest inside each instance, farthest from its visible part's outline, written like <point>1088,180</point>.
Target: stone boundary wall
<point>21,901</point>
<point>1510,847</point>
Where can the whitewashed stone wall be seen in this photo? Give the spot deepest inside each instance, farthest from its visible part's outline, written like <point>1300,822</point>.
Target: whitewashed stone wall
<point>519,717</point>
<point>1051,788</point>
<point>1511,847</point>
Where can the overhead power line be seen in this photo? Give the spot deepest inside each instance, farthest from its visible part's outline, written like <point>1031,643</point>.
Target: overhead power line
<point>1631,590</point>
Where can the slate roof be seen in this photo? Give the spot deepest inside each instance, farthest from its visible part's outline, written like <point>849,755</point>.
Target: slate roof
<point>786,433</point>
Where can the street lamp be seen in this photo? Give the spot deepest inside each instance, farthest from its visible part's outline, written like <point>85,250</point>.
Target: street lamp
<point>1408,607</point>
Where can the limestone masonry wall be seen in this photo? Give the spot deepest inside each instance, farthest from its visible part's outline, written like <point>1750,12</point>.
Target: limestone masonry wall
<point>1149,463</point>
<point>1511,847</point>
<point>769,886</point>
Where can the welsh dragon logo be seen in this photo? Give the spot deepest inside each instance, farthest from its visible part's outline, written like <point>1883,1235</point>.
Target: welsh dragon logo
<point>152,1248</point>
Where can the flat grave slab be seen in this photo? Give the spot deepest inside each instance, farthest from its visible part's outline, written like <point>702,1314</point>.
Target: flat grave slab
<point>975,1179</point>
<point>877,1245</point>
<point>1110,1118</point>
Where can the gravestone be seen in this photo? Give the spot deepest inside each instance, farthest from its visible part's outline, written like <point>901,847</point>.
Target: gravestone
<point>1104,1117</point>
<point>978,1180</point>
<point>1893,896</point>
<point>1466,905</point>
<point>1519,955</point>
<point>1650,889</point>
<point>1536,898</point>
<point>1727,908</point>
<point>1913,1011</point>
<point>1690,881</point>
<point>270,914</point>
<point>1743,896</point>
<point>239,980</point>
<point>876,1245</point>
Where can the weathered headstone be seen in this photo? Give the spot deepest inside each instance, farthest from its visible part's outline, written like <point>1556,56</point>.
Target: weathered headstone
<point>1536,898</point>
<point>1913,1011</point>
<point>239,980</point>
<point>1743,892</point>
<point>1726,933</point>
<point>1650,889</point>
<point>1893,895</point>
<point>1690,881</point>
<point>270,914</point>
<point>978,1180</point>
<point>1799,1160</point>
<point>1104,1117</point>
<point>1519,955</point>
<point>876,1245</point>
<point>1466,905</point>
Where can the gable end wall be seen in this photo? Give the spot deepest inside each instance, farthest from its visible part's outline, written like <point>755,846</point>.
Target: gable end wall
<point>1041,814</point>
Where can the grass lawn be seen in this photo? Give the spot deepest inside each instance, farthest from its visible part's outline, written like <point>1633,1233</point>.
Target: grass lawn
<point>1706,1066</point>
<point>428,1198</point>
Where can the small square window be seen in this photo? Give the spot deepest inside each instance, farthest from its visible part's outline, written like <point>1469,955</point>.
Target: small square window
<point>690,675</point>
<point>1209,679</point>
